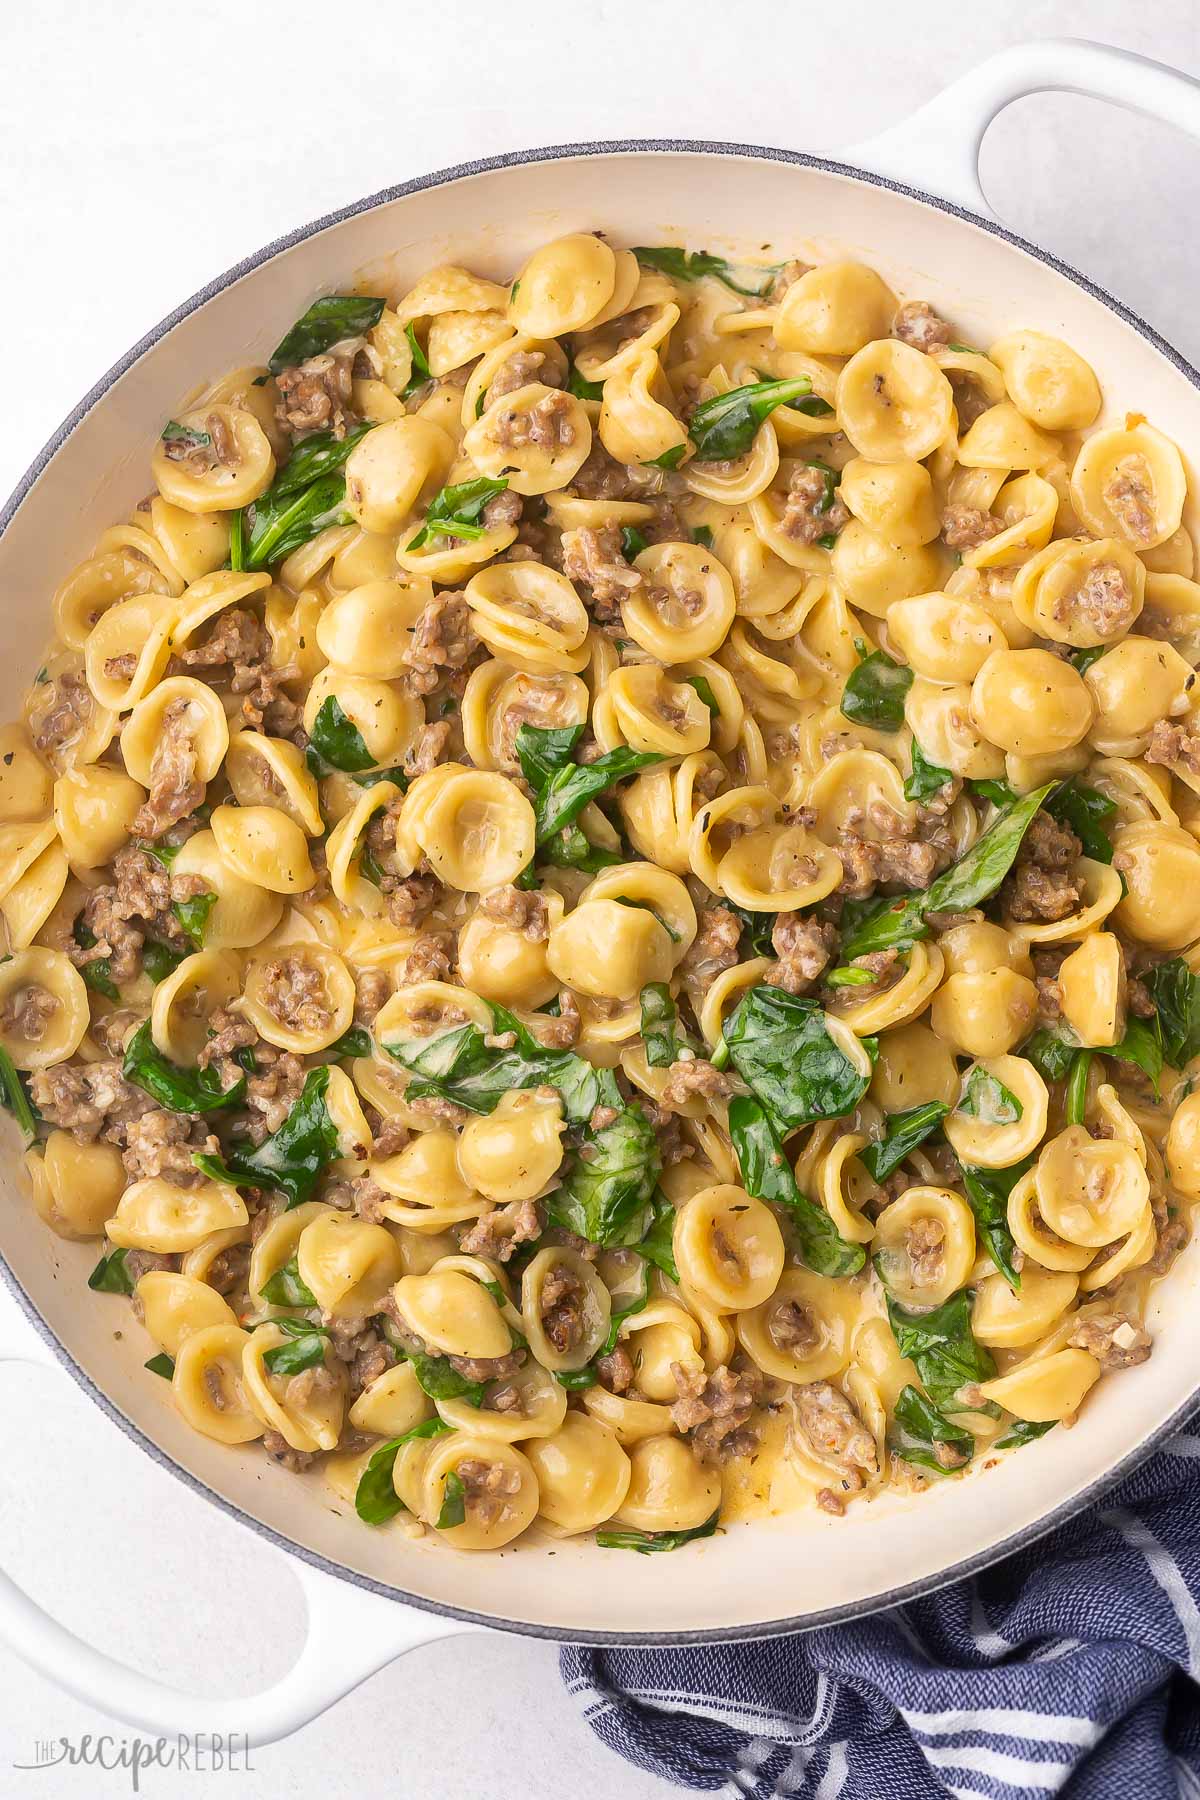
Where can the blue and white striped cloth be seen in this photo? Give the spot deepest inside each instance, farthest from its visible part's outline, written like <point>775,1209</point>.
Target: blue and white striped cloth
<point>1070,1669</point>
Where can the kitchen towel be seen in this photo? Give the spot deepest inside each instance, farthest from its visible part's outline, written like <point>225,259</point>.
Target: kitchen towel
<point>1070,1669</point>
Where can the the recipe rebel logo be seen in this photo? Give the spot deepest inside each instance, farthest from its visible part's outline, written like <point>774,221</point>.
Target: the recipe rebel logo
<point>201,1753</point>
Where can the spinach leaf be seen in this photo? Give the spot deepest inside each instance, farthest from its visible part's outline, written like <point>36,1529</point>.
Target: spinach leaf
<point>767,1174</point>
<point>658,1025</point>
<point>337,738</point>
<point>693,265</point>
<point>457,1065</point>
<point>703,687</point>
<point>605,1199</point>
<point>193,916</point>
<point>1050,1054</point>
<point>162,853</point>
<point>179,1090</point>
<point>943,1347</point>
<point>585,390</point>
<point>926,778</point>
<point>905,1131</point>
<point>1142,1045</point>
<point>420,371</point>
<point>813,407</point>
<point>756,928</point>
<point>375,1499</point>
<point>885,924</point>
<point>354,1042</point>
<point>987,1099</point>
<point>1084,811</point>
<point>189,435</point>
<point>779,1045</point>
<point>1024,1431</point>
<point>571,850</point>
<point>702,534</point>
<point>291,1159</point>
<point>644,1542</point>
<point>569,788</point>
<point>372,777</point>
<point>976,876</point>
<point>456,511</point>
<point>658,1244</point>
<point>987,1195</point>
<point>159,960</point>
<point>162,1364</point>
<point>98,976</point>
<point>998,792</point>
<point>14,1097</point>
<point>110,1276</point>
<point>454,1503</point>
<point>285,1287</point>
<point>724,428</point>
<point>279,524</point>
<point>670,459</point>
<point>304,1351</point>
<point>920,1428</point>
<point>633,542</point>
<point>315,456</point>
<point>874,692</point>
<point>878,925</point>
<point>368,868</point>
<point>1075,1099</point>
<point>849,975</point>
<point>543,752</point>
<point>1175,992</point>
<point>442,1381</point>
<point>1083,659</point>
<point>327,321</point>
<point>832,479</point>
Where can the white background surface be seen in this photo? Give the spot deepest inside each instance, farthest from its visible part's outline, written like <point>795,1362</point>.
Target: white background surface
<point>142,150</point>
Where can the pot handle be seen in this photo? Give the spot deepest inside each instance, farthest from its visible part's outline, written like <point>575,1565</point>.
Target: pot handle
<point>937,149</point>
<point>351,1634</point>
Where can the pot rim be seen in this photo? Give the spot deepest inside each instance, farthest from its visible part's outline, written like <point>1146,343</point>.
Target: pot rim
<point>834,1615</point>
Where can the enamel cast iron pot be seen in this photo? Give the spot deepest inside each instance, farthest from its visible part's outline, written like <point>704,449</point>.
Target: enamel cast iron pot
<point>910,204</point>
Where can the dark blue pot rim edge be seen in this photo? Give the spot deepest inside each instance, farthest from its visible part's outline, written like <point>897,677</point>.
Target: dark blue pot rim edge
<point>898,1596</point>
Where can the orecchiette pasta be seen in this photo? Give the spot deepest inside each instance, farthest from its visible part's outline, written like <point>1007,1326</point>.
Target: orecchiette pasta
<point>586,887</point>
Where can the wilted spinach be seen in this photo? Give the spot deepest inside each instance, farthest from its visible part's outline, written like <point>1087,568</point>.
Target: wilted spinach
<point>942,1346</point>
<point>987,1099</point>
<point>780,1046</point>
<point>926,778</point>
<point>920,1428</point>
<point>724,427</point>
<point>293,1158</point>
<point>327,322</point>
<point>644,1542</point>
<point>987,1193</point>
<point>375,1499</point>
<point>179,1090</point>
<point>875,691</point>
<point>456,511</point>
<point>1175,992</point>
<point>905,1131</point>
<point>606,1198</point>
<point>767,1174</point>
<point>692,265</point>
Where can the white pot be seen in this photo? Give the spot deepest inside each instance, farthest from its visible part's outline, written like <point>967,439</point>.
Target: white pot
<point>801,1570</point>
